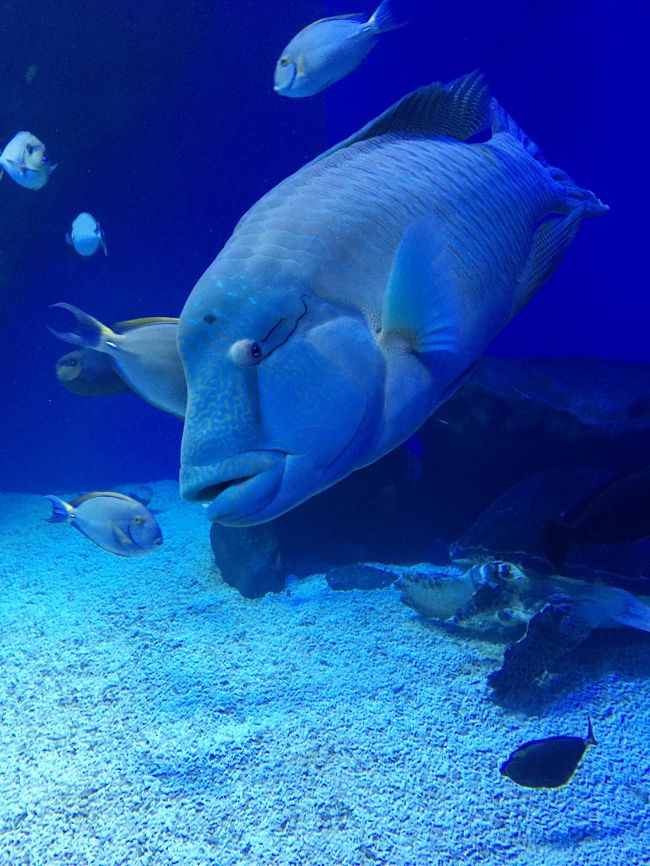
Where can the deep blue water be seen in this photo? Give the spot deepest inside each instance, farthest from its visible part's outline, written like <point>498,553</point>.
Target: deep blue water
<point>164,123</point>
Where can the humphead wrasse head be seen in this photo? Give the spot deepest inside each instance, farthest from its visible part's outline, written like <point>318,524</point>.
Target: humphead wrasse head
<point>285,396</point>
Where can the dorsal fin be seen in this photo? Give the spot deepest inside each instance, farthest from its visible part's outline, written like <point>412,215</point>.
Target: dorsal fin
<point>458,110</point>
<point>108,493</point>
<point>148,320</point>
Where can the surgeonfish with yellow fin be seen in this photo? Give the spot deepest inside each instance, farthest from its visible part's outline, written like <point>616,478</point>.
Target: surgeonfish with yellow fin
<point>352,299</point>
<point>26,161</point>
<point>144,353</point>
<point>329,49</point>
<point>113,521</point>
<point>547,763</point>
<point>86,235</point>
<point>89,374</point>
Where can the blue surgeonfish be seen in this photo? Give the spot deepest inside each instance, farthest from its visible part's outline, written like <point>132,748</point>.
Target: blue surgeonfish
<point>329,49</point>
<point>89,374</point>
<point>26,161</point>
<point>144,353</point>
<point>113,521</point>
<point>86,235</point>
<point>352,299</point>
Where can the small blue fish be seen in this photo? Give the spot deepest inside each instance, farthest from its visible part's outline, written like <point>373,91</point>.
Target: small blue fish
<point>26,161</point>
<point>144,354</point>
<point>328,50</point>
<point>86,235</point>
<point>113,521</point>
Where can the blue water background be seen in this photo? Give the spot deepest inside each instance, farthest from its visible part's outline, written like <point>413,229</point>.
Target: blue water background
<point>164,123</point>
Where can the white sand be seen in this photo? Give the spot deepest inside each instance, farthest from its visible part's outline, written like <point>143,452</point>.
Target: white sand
<point>151,715</point>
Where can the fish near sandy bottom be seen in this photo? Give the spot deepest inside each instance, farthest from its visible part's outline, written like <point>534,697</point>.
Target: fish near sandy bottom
<point>351,299</point>
<point>113,521</point>
<point>547,763</point>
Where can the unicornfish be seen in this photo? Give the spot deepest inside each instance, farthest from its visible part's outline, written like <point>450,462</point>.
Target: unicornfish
<point>351,300</point>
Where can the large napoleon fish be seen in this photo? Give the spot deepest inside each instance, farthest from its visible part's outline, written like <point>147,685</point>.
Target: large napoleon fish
<point>352,298</point>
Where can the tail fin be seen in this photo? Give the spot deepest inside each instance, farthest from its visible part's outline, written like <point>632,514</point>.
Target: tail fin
<point>590,740</point>
<point>626,609</point>
<point>570,195</point>
<point>88,332</point>
<point>61,511</point>
<point>555,540</point>
<point>383,19</point>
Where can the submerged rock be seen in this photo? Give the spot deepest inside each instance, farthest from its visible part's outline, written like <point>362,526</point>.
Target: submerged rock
<point>551,634</point>
<point>248,558</point>
<point>563,623</point>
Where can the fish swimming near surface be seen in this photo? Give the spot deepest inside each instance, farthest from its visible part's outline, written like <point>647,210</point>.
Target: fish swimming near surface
<point>89,374</point>
<point>113,521</point>
<point>547,763</point>
<point>86,235</point>
<point>352,299</point>
<point>144,353</point>
<point>26,161</point>
<point>617,513</point>
<point>329,49</point>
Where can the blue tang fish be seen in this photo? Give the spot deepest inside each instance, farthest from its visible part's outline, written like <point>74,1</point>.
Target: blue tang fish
<point>351,299</point>
<point>113,521</point>
<point>26,161</point>
<point>145,355</point>
<point>328,50</point>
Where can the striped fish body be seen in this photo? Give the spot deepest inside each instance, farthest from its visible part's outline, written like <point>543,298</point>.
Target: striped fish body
<point>391,261</point>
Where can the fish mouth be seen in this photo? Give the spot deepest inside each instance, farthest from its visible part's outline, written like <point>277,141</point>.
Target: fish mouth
<point>236,488</point>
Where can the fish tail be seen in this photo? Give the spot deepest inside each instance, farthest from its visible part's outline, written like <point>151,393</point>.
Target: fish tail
<point>61,511</point>
<point>590,739</point>
<point>383,19</point>
<point>570,194</point>
<point>555,540</point>
<point>88,332</point>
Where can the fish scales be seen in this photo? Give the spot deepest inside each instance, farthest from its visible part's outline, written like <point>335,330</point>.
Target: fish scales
<point>372,207</point>
<point>352,298</point>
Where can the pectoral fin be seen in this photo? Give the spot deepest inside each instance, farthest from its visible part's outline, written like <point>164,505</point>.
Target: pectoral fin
<point>423,304</point>
<point>120,536</point>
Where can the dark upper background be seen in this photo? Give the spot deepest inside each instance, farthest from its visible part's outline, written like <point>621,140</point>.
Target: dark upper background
<point>164,123</point>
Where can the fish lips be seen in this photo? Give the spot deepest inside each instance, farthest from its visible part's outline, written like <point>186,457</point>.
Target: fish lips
<point>238,487</point>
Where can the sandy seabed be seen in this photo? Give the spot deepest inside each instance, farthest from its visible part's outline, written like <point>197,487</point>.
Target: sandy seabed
<point>151,715</point>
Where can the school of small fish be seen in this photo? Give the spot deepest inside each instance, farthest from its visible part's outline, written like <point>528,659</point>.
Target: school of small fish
<point>332,358</point>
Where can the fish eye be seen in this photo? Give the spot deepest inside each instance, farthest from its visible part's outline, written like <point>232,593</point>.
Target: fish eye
<point>284,61</point>
<point>29,148</point>
<point>138,520</point>
<point>246,353</point>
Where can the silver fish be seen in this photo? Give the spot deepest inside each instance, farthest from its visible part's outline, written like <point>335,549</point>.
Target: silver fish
<point>328,50</point>
<point>113,521</point>
<point>86,235</point>
<point>26,161</point>
<point>145,355</point>
<point>351,299</point>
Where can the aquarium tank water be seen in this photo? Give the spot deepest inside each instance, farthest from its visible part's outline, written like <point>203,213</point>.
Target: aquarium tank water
<point>325,481</point>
